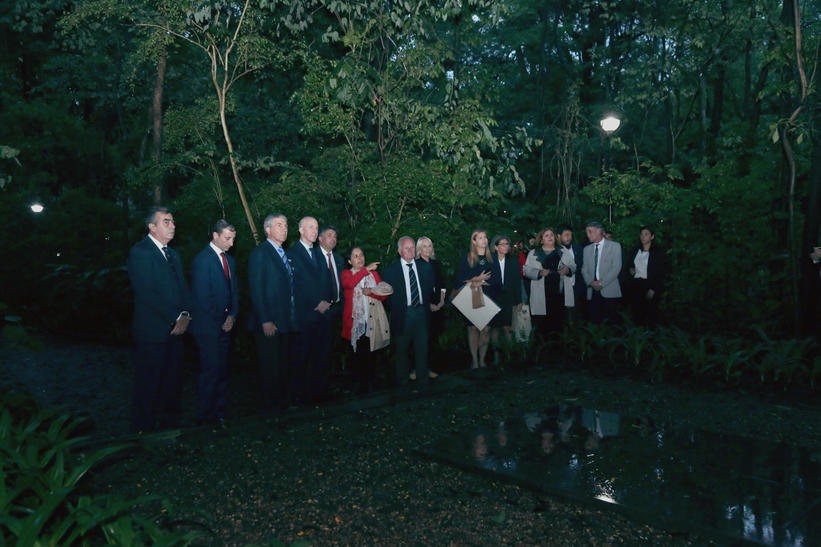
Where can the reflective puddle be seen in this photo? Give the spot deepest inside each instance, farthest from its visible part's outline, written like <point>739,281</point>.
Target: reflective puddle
<point>684,479</point>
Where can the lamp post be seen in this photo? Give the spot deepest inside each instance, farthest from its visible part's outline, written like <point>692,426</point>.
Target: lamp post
<point>609,125</point>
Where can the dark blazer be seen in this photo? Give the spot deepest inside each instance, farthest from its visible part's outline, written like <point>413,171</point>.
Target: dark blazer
<point>656,267</point>
<point>270,289</point>
<point>312,284</point>
<point>214,298</point>
<point>340,266</point>
<point>160,291</point>
<point>510,292</point>
<point>398,301</point>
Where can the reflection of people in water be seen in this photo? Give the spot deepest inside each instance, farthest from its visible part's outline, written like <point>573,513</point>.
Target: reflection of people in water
<point>599,424</point>
<point>493,451</point>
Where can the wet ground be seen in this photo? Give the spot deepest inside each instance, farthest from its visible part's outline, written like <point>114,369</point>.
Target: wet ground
<point>349,471</point>
<point>724,486</point>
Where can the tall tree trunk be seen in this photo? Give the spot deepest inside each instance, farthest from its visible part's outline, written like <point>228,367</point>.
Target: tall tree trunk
<point>156,127</point>
<point>812,225</point>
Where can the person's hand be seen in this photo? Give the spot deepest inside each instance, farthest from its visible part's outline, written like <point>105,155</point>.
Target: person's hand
<point>596,285</point>
<point>181,325</point>
<point>544,272</point>
<point>228,324</point>
<point>269,329</point>
<point>323,306</point>
<point>479,280</point>
<point>372,266</point>
<point>441,298</point>
<point>367,291</point>
<point>815,255</point>
<point>564,270</point>
<point>435,307</point>
<point>632,271</point>
<point>650,294</point>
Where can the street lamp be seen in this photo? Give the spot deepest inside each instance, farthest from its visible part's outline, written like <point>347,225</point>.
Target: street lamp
<point>609,124</point>
<point>37,207</point>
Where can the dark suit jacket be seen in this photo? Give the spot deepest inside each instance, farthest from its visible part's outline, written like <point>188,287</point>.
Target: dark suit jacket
<point>510,292</point>
<point>160,291</point>
<point>340,265</point>
<point>398,301</point>
<point>312,284</point>
<point>270,289</point>
<point>656,267</point>
<point>214,298</point>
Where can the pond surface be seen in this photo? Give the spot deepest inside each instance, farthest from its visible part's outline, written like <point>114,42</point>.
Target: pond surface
<point>733,488</point>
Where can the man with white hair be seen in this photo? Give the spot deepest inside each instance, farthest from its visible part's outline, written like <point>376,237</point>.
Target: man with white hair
<point>600,269</point>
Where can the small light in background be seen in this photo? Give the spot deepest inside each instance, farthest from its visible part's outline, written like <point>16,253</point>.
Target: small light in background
<point>37,207</point>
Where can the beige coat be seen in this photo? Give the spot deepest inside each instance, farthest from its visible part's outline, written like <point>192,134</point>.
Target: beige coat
<point>538,306</point>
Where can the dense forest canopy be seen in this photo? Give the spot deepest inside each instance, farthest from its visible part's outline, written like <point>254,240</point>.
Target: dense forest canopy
<point>424,117</point>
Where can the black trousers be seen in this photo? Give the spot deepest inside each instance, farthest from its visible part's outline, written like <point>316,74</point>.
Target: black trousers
<point>415,334</point>
<point>645,310</point>
<point>212,385</point>
<point>603,310</point>
<point>157,385</point>
<point>274,355</point>
<point>311,363</point>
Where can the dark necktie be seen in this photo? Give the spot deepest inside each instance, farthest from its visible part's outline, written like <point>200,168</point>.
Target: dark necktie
<point>167,252</point>
<point>333,278</point>
<point>414,288</point>
<point>287,264</point>
<point>596,262</point>
<point>225,267</point>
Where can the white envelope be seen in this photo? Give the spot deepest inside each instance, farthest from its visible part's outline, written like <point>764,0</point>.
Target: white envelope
<point>480,317</point>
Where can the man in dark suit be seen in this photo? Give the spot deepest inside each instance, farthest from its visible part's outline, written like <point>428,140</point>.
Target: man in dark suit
<point>312,300</point>
<point>601,269</point>
<point>270,277</point>
<point>412,282</point>
<point>162,305</point>
<point>565,233</point>
<point>335,264</point>
<point>216,303</point>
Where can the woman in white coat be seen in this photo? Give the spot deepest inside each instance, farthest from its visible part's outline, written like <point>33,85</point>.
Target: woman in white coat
<point>542,267</point>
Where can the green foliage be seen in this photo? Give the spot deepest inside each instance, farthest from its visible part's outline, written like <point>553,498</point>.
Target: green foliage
<point>672,351</point>
<point>41,471</point>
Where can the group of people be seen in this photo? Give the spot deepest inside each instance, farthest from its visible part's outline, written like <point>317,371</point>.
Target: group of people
<point>303,294</point>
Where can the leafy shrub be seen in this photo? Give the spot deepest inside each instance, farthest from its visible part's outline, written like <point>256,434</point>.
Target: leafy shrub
<point>39,499</point>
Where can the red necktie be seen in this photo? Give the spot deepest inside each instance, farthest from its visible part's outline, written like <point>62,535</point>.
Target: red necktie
<point>225,267</point>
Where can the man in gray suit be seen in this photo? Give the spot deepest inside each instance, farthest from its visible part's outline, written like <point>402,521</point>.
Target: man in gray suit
<point>600,269</point>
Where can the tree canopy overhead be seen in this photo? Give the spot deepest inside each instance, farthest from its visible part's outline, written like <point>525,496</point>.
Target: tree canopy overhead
<point>426,117</point>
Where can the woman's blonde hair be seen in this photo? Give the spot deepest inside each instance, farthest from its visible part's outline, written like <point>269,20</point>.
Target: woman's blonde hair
<point>422,240</point>
<point>473,255</point>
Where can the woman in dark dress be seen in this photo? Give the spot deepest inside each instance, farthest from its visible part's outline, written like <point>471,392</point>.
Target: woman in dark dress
<point>647,268</point>
<point>424,250</point>
<point>542,268</point>
<point>476,270</point>
<point>510,294</point>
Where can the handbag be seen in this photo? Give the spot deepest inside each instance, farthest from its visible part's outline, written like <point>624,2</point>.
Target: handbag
<point>478,297</point>
<point>521,324</point>
<point>379,330</point>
